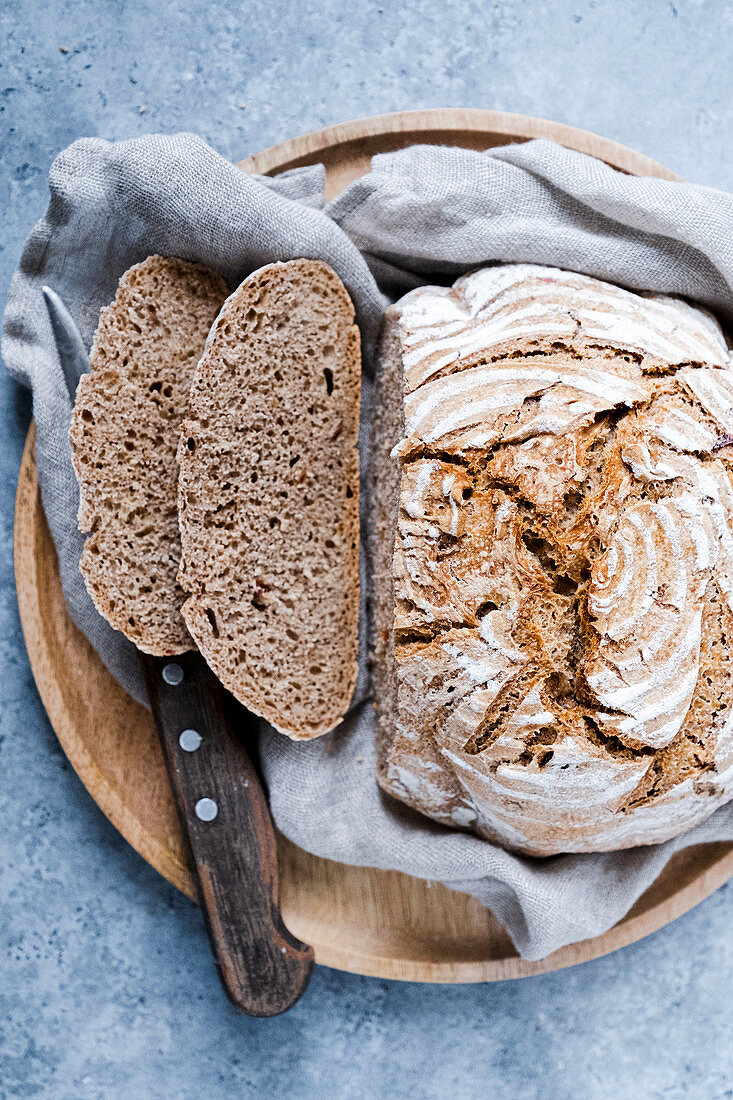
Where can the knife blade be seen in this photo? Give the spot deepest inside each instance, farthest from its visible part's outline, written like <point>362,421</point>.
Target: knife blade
<point>69,344</point>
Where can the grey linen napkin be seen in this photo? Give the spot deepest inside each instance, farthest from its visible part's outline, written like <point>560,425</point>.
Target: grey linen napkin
<point>113,204</point>
<point>422,214</point>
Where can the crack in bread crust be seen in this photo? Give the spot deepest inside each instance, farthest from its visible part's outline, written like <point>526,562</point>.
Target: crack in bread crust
<point>562,571</point>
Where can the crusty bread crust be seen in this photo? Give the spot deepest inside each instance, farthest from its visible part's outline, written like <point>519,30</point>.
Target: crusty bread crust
<point>401,752</point>
<point>269,497</point>
<point>384,483</point>
<point>554,596</point>
<point>124,436</point>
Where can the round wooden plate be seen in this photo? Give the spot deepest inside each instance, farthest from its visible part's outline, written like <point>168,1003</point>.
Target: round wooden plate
<point>367,921</point>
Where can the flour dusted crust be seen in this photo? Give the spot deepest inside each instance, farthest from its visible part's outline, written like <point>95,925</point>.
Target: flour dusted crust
<point>553,560</point>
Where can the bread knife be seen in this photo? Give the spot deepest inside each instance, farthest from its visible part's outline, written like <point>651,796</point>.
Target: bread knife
<point>221,805</point>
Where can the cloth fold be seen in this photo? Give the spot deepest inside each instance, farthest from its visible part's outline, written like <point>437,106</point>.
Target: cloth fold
<point>421,214</point>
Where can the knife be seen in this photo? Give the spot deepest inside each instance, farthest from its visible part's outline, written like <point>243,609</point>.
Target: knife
<point>221,805</point>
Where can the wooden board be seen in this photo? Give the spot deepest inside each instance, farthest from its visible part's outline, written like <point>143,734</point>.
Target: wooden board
<point>367,921</point>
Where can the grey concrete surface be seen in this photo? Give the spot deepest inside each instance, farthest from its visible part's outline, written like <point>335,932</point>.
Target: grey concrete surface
<point>106,985</point>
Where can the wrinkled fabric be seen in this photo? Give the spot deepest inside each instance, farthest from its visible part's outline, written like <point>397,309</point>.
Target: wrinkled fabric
<point>423,214</point>
<point>112,205</point>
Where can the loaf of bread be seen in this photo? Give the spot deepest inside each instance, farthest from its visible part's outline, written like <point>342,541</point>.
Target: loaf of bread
<point>124,436</point>
<point>269,497</point>
<point>553,560</point>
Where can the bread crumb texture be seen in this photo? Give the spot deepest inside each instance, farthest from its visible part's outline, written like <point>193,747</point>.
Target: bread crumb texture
<point>124,436</point>
<point>554,615</point>
<point>269,497</point>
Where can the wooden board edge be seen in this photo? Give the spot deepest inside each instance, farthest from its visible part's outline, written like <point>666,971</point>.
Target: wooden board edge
<point>27,501</point>
<point>627,931</point>
<point>306,147</point>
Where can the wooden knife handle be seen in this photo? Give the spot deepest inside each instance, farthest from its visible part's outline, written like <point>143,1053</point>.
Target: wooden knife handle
<point>230,836</point>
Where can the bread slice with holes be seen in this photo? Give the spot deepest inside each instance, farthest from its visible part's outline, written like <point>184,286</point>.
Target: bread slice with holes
<point>269,497</point>
<point>124,436</point>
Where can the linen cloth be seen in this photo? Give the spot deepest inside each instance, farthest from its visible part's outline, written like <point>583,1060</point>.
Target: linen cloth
<point>420,215</point>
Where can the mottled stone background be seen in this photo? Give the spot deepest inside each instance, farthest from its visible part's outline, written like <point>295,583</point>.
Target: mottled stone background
<point>106,984</point>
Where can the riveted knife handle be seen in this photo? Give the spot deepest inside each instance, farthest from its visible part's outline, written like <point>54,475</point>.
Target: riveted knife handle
<point>230,836</point>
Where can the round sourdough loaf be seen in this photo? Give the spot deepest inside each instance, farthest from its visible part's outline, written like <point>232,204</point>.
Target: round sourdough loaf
<point>553,560</point>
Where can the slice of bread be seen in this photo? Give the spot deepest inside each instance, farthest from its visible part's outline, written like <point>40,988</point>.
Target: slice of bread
<point>269,497</point>
<point>124,435</point>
